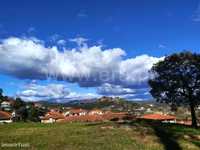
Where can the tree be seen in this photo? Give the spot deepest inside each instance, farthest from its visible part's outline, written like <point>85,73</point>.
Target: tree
<point>20,109</point>
<point>35,113</point>
<point>22,113</point>
<point>19,103</point>
<point>176,81</point>
<point>1,92</point>
<point>1,95</point>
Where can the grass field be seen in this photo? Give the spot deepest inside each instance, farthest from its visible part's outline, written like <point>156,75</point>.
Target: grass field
<point>99,136</point>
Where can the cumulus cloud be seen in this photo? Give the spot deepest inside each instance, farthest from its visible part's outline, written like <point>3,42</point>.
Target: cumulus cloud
<point>40,91</point>
<point>135,71</point>
<point>61,42</point>
<point>29,58</point>
<point>126,93</point>
<point>109,89</point>
<point>51,92</point>
<point>80,41</point>
<point>140,94</point>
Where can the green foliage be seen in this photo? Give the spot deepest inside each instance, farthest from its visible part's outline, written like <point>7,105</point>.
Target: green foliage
<point>176,80</point>
<point>2,98</point>
<point>34,114</point>
<point>22,114</point>
<point>1,94</point>
<point>26,111</point>
<point>19,103</point>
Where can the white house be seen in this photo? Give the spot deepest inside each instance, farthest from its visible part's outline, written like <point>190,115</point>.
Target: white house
<point>6,105</point>
<point>76,112</point>
<point>96,112</point>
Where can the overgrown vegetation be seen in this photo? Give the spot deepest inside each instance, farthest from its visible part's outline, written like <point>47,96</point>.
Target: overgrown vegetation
<point>98,136</point>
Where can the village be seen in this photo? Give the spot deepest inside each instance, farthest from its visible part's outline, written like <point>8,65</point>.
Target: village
<point>113,112</point>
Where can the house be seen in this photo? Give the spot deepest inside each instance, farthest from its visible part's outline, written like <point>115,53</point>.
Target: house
<point>151,105</point>
<point>149,110</point>
<point>5,117</point>
<point>37,105</point>
<point>95,115</point>
<point>96,112</point>
<point>52,117</point>
<point>76,112</point>
<point>7,105</point>
<point>184,121</point>
<point>54,110</point>
<point>159,117</point>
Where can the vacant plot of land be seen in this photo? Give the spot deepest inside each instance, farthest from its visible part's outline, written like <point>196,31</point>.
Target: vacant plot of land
<point>98,136</point>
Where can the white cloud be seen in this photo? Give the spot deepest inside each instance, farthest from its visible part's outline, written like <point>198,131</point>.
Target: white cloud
<point>22,57</point>
<point>126,93</point>
<point>109,89</point>
<point>36,92</point>
<point>61,42</point>
<point>51,92</point>
<point>81,96</point>
<point>135,71</point>
<point>28,58</point>
<point>80,41</point>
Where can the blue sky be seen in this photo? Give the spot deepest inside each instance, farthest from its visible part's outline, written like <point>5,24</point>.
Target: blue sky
<point>155,28</point>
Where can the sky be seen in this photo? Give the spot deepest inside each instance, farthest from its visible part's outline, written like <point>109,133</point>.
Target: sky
<point>68,50</point>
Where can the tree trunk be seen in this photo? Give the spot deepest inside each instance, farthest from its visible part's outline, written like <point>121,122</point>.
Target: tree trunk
<point>194,119</point>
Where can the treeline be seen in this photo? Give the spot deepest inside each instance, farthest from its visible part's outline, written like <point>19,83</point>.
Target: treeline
<point>21,110</point>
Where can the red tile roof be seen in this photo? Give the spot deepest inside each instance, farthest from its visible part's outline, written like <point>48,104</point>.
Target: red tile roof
<point>54,115</point>
<point>93,118</point>
<point>5,115</point>
<point>157,117</point>
<point>76,111</point>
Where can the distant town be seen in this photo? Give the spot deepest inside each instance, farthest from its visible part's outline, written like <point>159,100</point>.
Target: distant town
<point>98,110</point>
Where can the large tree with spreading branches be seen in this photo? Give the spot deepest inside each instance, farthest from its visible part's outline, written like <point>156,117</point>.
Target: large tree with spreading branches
<point>176,81</point>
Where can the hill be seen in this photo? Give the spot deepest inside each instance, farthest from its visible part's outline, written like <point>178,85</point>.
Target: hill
<point>105,103</point>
